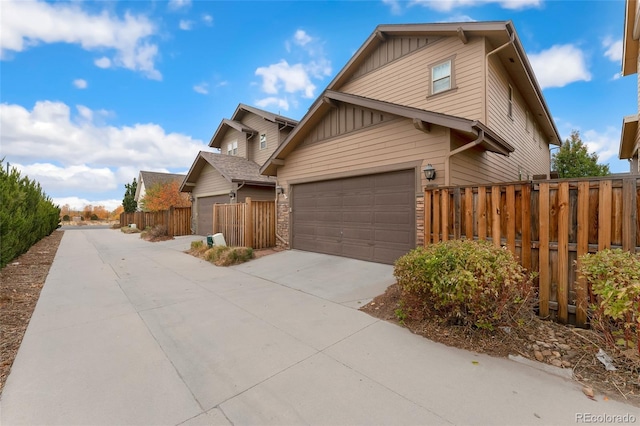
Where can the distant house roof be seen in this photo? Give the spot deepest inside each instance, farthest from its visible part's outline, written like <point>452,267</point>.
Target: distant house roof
<point>152,178</point>
<point>232,168</point>
<point>499,33</point>
<point>490,141</point>
<point>235,123</point>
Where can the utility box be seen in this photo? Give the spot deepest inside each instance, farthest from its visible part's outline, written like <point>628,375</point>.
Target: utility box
<point>216,240</point>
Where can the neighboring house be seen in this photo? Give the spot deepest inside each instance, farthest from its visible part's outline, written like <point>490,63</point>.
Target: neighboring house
<point>245,142</point>
<point>630,139</point>
<point>149,179</point>
<point>460,98</point>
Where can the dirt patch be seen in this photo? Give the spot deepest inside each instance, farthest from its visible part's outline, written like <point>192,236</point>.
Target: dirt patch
<point>538,340</point>
<point>20,284</point>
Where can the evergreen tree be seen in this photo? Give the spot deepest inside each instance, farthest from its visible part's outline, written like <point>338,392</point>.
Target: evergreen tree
<point>574,160</point>
<point>129,203</point>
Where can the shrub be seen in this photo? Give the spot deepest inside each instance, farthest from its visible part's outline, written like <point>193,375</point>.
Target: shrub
<point>130,230</point>
<point>470,283</point>
<point>66,218</point>
<point>225,256</point>
<point>614,278</point>
<point>156,232</point>
<point>94,217</point>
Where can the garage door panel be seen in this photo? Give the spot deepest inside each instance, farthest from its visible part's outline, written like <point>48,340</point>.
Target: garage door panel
<point>205,212</point>
<point>367,217</point>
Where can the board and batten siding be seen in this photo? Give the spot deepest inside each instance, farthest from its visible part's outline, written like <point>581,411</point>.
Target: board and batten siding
<point>531,155</point>
<point>364,151</point>
<point>406,80</point>
<point>210,182</point>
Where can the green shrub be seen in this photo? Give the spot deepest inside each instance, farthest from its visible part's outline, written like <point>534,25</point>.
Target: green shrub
<point>614,278</point>
<point>94,217</point>
<point>470,283</point>
<point>197,245</point>
<point>66,218</point>
<point>27,214</point>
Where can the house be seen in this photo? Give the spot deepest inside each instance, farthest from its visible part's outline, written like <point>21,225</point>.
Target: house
<point>630,138</point>
<point>457,99</point>
<point>245,142</point>
<point>149,179</point>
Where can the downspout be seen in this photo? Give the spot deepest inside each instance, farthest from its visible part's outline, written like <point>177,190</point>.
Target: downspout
<point>447,172</point>
<point>486,71</point>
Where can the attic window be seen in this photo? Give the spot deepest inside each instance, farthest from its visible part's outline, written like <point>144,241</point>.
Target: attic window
<point>263,141</point>
<point>441,77</point>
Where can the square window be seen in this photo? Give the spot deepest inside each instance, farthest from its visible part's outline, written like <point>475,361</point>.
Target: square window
<point>263,141</point>
<point>441,77</point>
<point>232,148</point>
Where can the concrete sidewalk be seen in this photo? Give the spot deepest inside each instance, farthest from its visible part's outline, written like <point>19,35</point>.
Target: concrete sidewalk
<point>131,332</point>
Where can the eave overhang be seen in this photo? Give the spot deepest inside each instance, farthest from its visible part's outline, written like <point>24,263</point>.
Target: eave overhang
<point>225,124</point>
<point>628,139</point>
<point>630,43</point>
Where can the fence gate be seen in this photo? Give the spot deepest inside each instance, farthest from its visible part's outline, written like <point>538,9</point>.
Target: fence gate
<point>249,224</point>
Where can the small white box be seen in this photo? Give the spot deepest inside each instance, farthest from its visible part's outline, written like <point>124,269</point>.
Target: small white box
<point>218,240</point>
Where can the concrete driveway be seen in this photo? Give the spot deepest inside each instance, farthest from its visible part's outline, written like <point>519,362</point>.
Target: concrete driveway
<point>131,332</point>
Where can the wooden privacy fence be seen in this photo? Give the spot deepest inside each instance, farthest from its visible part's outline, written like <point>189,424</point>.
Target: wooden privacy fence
<point>248,224</point>
<point>176,219</point>
<point>548,225</point>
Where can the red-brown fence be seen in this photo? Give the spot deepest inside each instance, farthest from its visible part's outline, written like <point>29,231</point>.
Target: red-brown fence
<point>231,220</point>
<point>547,224</point>
<point>176,219</point>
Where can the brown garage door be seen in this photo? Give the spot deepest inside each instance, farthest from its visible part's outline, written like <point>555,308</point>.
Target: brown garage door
<point>205,213</point>
<point>367,217</point>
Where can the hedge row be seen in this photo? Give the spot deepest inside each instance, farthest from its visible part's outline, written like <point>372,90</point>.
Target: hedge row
<point>27,214</point>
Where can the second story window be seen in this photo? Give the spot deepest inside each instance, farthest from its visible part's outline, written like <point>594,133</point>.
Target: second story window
<point>441,77</point>
<point>263,141</point>
<point>232,148</point>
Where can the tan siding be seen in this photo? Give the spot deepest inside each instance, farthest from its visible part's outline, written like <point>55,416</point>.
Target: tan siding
<point>394,48</point>
<point>210,182</point>
<point>531,154</point>
<point>386,144</point>
<point>257,193</point>
<point>406,81</point>
<point>234,135</point>
<point>261,126</point>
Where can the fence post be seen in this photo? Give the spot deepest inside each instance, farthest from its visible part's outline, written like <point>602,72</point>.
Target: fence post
<point>495,215</point>
<point>604,215</point>
<point>563,252</point>
<point>543,251</point>
<point>468,213</point>
<point>427,218</point>
<point>583,248</point>
<point>248,223</point>
<point>629,211</point>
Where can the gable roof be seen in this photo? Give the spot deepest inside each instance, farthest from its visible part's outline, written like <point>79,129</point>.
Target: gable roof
<point>232,168</point>
<point>490,142</point>
<point>631,38</point>
<point>498,33</point>
<point>235,123</point>
<point>153,178</point>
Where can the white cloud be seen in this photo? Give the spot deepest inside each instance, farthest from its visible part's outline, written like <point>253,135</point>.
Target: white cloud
<point>301,38</point>
<point>80,83</point>
<point>75,152</point>
<point>448,5</point>
<point>25,24</point>
<point>185,24</point>
<point>290,78</point>
<point>296,78</point>
<point>606,144</point>
<point>460,18</point>
<point>103,62</point>
<point>279,102</point>
<point>613,49</point>
<point>207,19</point>
<point>179,4</point>
<point>560,65</point>
<point>394,5</point>
<point>202,88</point>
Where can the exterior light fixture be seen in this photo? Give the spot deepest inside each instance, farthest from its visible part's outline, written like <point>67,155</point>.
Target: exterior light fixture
<point>232,194</point>
<point>279,190</point>
<point>429,172</point>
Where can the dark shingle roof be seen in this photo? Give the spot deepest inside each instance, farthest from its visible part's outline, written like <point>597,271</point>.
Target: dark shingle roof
<point>235,168</point>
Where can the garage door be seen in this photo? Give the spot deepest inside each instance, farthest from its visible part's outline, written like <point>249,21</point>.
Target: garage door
<point>367,217</point>
<point>205,212</point>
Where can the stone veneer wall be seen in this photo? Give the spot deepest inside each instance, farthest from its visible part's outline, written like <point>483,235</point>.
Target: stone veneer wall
<point>282,226</point>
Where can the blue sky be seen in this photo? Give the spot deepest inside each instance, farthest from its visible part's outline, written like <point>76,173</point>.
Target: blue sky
<point>93,92</point>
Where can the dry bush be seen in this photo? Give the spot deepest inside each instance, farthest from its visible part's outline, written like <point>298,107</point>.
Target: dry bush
<point>226,256</point>
<point>130,230</point>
